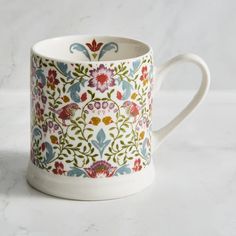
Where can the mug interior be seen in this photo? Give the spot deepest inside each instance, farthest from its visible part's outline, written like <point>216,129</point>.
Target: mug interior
<point>82,48</point>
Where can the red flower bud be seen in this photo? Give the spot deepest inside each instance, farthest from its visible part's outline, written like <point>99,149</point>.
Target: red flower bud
<point>43,146</point>
<point>83,97</point>
<point>119,95</point>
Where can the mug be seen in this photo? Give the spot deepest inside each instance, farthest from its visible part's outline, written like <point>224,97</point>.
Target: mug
<point>91,115</point>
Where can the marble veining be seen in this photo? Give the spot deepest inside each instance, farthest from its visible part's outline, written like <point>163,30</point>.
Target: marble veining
<point>204,27</point>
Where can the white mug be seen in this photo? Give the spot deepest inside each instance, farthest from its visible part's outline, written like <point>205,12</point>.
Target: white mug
<point>91,106</point>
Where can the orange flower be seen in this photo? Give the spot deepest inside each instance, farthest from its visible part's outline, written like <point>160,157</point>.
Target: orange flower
<point>141,136</point>
<point>134,95</point>
<point>95,121</point>
<point>107,120</point>
<point>145,81</point>
<point>54,139</point>
<point>65,99</point>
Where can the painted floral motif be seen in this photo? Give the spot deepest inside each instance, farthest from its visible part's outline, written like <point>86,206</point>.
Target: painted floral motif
<point>94,46</point>
<point>39,112</point>
<point>52,81</point>
<point>59,168</point>
<point>137,165</point>
<point>100,169</point>
<point>66,112</point>
<point>144,76</point>
<point>91,120</point>
<point>94,49</point>
<point>102,78</point>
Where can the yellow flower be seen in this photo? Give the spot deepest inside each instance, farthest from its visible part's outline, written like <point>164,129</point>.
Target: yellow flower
<point>65,99</point>
<point>145,82</point>
<point>141,135</point>
<point>134,95</point>
<point>54,139</point>
<point>95,121</point>
<point>107,120</point>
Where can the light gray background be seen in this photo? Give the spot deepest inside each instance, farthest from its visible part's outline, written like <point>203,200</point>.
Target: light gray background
<point>204,27</point>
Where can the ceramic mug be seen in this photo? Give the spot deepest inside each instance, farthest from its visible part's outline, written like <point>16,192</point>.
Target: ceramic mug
<point>91,106</point>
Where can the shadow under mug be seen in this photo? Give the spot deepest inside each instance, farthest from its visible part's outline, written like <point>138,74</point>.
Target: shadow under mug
<point>91,106</point>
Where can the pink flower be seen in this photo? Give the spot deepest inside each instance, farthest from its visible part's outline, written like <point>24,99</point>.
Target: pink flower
<point>137,165</point>
<point>102,78</point>
<point>97,105</point>
<point>100,169</point>
<point>104,105</point>
<point>59,168</point>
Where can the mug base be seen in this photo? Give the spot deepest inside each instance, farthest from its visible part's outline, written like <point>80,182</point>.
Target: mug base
<point>89,188</point>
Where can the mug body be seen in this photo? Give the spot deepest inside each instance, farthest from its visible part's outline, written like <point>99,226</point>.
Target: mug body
<point>91,103</point>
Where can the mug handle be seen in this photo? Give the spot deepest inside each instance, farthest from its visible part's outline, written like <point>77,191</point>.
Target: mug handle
<point>159,135</point>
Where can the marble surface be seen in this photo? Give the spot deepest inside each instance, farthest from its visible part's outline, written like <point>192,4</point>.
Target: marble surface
<point>204,27</point>
<point>194,192</point>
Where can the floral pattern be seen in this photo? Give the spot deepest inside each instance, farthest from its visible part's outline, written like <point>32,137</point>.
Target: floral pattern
<point>59,168</point>
<point>100,169</point>
<point>102,78</point>
<point>94,50</point>
<point>91,120</point>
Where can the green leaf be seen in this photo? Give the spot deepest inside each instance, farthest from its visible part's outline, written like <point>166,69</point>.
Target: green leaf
<point>122,142</point>
<point>75,74</point>
<point>71,137</point>
<point>77,132</point>
<point>73,127</point>
<point>112,128</point>
<point>120,154</point>
<point>89,129</point>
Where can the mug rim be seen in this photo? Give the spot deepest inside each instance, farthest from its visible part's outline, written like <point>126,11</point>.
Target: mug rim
<point>35,52</point>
